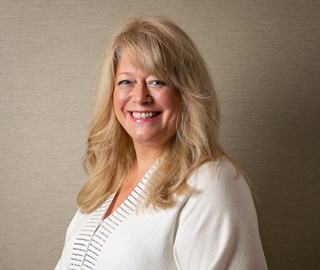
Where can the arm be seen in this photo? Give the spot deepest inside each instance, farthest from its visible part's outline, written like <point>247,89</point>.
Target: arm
<point>217,228</point>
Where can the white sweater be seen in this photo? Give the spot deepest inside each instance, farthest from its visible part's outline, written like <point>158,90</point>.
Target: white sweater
<point>216,229</point>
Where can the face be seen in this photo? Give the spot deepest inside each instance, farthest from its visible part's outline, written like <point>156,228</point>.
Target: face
<point>145,105</point>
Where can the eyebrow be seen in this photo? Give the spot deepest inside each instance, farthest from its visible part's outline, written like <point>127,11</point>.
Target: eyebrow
<point>124,73</point>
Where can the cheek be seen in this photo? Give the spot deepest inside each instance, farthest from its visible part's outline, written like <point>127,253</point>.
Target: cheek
<point>117,106</point>
<point>119,100</point>
<point>168,100</point>
<point>116,100</point>
<point>171,102</point>
<point>175,105</point>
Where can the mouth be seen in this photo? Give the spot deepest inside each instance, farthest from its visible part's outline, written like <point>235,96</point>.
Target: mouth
<point>144,115</point>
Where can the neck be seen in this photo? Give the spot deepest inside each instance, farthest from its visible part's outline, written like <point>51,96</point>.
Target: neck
<point>146,155</point>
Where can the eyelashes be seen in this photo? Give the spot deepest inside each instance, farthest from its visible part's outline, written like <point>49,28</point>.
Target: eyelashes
<point>158,83</point>
<point>152,83</point>
<point>124,82</point>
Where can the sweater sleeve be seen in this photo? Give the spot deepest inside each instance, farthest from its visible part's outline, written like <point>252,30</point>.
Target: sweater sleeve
<point>217,228</point>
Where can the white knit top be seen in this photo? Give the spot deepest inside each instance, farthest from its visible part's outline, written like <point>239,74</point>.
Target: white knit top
<point>215,228</point>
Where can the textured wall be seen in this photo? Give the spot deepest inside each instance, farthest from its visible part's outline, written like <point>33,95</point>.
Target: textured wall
<point>264,56</point>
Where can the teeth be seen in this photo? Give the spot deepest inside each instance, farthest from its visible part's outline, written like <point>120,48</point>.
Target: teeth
<point>138,115</point>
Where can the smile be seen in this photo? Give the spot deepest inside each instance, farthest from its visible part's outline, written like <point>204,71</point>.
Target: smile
<point>144,115</point>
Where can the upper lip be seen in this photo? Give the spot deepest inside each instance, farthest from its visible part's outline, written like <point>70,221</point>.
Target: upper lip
<point>144,111</point>
<point>144,114</point>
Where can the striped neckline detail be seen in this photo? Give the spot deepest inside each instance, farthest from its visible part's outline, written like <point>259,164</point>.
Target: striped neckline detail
<point>96,231</point>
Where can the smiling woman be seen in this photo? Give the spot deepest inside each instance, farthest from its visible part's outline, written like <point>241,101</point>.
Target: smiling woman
<point>161,193</point>
<point>145,106</point>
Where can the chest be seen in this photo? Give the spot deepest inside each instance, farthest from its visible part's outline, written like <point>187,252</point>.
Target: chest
<point>138,241</point>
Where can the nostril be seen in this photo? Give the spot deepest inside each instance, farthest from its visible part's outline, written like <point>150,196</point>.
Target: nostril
<point>142,100</point>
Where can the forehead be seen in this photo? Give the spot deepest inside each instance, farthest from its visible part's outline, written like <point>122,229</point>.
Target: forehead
<point>135,58</point>
<point>126,66</point>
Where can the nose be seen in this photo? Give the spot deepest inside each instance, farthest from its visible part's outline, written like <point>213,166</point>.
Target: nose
<point>141,95</point>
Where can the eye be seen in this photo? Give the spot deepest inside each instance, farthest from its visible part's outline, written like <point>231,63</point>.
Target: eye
<point>156,83</point>
<point>124,82</point>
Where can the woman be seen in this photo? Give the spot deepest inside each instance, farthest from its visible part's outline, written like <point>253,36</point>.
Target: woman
<point>161,193</point>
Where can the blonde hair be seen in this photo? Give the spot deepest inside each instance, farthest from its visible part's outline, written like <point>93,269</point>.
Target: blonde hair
<point>159,47</point>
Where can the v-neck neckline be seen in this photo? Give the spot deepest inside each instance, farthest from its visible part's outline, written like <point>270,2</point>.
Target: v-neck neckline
<point>133,200</point>
<point>96,230</point>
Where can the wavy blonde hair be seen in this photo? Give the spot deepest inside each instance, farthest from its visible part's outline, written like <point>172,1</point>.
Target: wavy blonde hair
<point>159,47</point>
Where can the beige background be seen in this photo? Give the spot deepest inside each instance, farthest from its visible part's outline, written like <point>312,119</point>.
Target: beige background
<point>264,56</point>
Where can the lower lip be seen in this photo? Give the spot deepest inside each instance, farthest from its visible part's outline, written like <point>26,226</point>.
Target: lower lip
<point>143,120</point>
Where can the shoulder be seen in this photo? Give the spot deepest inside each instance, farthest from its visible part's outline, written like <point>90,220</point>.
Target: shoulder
<point>218,221</point>
<point>220,187</point>
<point>221,165</point>
<point>220,174</point>
<point>77,218</point>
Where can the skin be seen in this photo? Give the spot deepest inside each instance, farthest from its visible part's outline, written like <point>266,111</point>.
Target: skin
<point>136,93</point>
